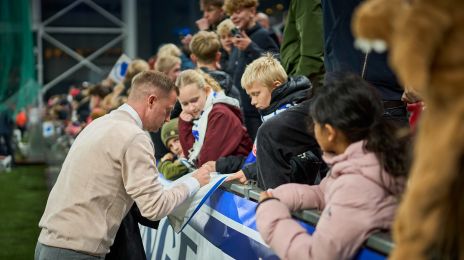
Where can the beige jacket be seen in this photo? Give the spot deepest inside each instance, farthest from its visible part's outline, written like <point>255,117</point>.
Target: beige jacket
<point>110,165</point>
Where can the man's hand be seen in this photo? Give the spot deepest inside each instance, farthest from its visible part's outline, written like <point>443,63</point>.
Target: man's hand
<point>211,165</point>
<point>203,175</point>
<point>240,176</point>
<point>242,42</point>
<point>202,24</point>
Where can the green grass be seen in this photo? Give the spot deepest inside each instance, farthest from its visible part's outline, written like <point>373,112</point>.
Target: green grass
<point>23,195</point>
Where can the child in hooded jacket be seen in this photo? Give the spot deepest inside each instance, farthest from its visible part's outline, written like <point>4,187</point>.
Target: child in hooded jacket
<point>359,195</point>
<point>210,124</point>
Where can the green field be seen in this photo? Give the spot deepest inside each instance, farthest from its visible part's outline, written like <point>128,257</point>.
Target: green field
<point>23,195</point>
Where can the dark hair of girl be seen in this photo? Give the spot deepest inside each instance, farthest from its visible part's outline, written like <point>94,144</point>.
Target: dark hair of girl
<point>351,105</point>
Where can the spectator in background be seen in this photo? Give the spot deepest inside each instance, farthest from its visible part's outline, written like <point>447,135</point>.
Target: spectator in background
<point>121,91</point>
<point>263,20</point>
<point>172,164</point>
<point>361,193</point>
<point>169,65</point>
<point>21,122</point>
<point>110,166</point>
<point>224,31</point>
<point>250,43</point>
<point>170,49</point>
<point>205,48</point>
<point>210,125</point>
<point>302,50</point>
<point>341,55</point>
<point>97,94</point>
<point>212,15</point>
<point>6,136</point>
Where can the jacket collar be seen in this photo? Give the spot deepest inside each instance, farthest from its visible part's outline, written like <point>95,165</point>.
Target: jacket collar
<point>127,108</point>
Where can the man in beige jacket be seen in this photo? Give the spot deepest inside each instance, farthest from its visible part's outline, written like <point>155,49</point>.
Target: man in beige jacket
<point>110,165</point>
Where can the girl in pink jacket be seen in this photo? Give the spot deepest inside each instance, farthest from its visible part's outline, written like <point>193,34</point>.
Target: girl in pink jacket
<point>360,193</point>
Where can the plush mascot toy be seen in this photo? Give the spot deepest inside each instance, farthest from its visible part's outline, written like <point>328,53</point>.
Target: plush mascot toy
<point>425,39</point>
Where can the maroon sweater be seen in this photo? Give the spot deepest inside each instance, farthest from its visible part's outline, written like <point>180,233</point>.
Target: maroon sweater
<point>225,135</point>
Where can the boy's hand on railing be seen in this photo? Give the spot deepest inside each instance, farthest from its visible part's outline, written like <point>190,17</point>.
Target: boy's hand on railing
<point>240,176</point>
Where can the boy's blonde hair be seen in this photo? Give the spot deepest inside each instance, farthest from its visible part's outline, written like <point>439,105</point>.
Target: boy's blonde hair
<point>230,6</point>
<point>169,49</point>
<point>201,79</point>
<point>205,45</point>
<point>265,70</point>
<point>165,63</point>
<point>224,27</point>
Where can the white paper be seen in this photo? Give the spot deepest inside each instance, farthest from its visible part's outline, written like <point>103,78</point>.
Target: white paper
<point>181,215</point>
<point>120,68</point>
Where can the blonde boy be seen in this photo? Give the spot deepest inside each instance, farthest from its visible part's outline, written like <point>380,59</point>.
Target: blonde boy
<point>261,78</point>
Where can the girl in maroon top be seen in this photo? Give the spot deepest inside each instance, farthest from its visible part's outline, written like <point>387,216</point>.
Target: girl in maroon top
<point>210,124</point>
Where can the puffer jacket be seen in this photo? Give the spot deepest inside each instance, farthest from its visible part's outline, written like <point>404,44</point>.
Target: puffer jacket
<point>357,198</point>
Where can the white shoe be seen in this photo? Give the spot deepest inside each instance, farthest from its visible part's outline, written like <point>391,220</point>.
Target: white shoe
<point>6,163</point>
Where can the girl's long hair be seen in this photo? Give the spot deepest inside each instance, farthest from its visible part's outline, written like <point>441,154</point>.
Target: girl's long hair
<point>351,105</point>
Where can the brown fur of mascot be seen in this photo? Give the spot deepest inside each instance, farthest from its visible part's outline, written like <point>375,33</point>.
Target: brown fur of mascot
<point>425,39</point>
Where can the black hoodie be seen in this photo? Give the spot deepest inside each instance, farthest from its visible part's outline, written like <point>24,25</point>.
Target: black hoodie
<point>289,94</point>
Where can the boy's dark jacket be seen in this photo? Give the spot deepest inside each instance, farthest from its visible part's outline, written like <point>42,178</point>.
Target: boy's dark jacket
<point>294,91</point>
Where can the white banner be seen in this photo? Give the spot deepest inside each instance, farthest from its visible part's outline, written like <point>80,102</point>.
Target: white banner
<point>120,68</point>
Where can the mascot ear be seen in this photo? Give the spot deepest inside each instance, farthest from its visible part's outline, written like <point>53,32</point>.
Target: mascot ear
<point>372,24</point>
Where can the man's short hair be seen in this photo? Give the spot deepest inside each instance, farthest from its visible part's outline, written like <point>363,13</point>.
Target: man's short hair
<point>165,63</point>
<point>224,27</point>
<point>216,3</point>
<point>146,82</point>
<point>265,70</point>
<point>205,45</point>
<point>230,6</point>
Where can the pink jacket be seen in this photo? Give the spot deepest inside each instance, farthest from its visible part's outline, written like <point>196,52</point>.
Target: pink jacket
<point>356,198</point>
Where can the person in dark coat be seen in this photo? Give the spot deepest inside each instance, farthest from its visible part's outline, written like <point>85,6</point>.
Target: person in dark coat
<point>249,44</point>
<point>128,243</point>
<point>340,55</point>
<point>6,133</point>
